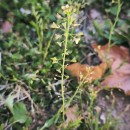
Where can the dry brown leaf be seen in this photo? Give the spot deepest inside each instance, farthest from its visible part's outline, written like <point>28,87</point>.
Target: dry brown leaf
<point>119,56</point>
<point>119,59</point>
<point>7,27</point>
<point>120,77</point>
<point>71,114</point>
<point>118,80</point>
<point>119,52</point>
<point>85,72</point>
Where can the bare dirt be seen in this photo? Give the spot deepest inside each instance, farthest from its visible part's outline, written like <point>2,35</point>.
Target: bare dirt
<point>116,105</point>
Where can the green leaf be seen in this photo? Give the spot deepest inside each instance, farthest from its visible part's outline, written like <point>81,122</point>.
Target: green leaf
<point>108,24</point>
<point>113,10</point>
<point>33,24</point>
<point>73,60</point>
<point>99,27</point>
<point>10,102</point>
<point>20,113</point>
<point>48,123</point>
<point>17,56</point>
<point>2,127</point>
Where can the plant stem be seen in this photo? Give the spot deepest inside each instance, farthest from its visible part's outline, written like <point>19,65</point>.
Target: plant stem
<point>113,26</point>
<point>77,90</point>
<point>47,47</point>
<point>63,65</point>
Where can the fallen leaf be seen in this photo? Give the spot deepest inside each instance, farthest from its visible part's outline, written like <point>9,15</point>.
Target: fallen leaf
<point>71,114</point>
<point>7,27</point>
<point>87,73</point>
<point>94,14</point>
<point>118,80</point>
<point>119,55</point>
<point>119,63</point>
<point>120,67</point>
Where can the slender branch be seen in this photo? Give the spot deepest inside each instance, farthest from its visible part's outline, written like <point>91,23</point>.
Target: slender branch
<point>113,26</point>
<point>63,65</point>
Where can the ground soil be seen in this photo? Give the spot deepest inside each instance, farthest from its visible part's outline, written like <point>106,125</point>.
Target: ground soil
<point>116,105</point>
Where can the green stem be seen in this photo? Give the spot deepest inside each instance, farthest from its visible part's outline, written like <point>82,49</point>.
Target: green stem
<point>77,90</point>
<point>113,26</point>
<point>47,47</point>
<point>63,66</point>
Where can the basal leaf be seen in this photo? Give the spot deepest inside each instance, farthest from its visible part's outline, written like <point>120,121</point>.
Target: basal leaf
<point>20,113</point>
<point>10,102</point>
<point>48,123</point>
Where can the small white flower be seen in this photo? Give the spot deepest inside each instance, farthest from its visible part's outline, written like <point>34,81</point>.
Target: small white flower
<point>24,11</point>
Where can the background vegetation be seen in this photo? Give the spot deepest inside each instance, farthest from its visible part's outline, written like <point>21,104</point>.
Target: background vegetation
<point>35,89</point>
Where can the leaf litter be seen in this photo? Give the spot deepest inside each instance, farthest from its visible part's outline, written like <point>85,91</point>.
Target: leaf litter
<point>119,63</point>
<point>116,100</point>
<point>120,67</point>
